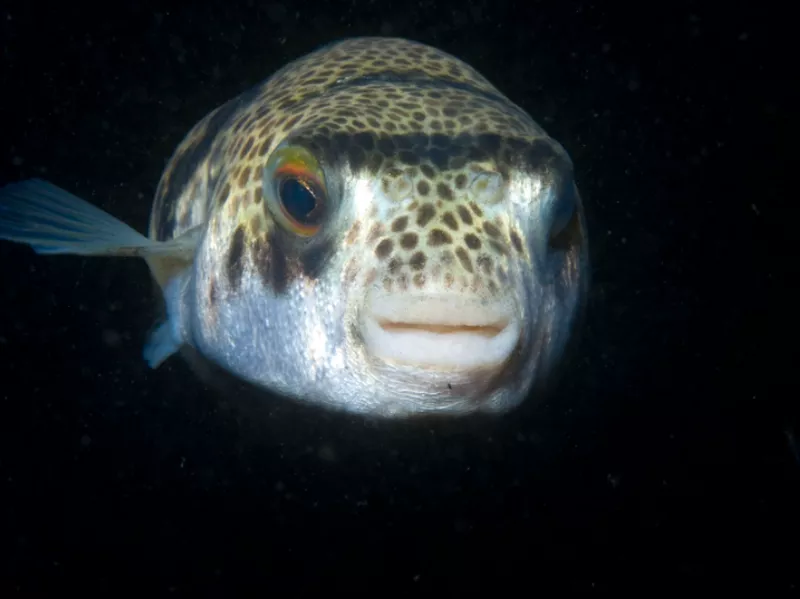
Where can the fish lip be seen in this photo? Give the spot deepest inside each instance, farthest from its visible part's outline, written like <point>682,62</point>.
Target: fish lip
<point>447,333</point>
<point>486,330</point>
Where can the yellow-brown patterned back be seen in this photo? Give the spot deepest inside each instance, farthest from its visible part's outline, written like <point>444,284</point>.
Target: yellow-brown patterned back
<point>372,86</point>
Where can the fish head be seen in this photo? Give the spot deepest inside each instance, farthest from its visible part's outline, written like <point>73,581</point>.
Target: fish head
<point>393,270</point>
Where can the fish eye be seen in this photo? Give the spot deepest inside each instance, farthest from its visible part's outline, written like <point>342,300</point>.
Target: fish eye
<point>300,202</point>
<point>296,194</point>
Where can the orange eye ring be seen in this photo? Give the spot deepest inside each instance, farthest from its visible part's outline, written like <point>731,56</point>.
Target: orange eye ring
<point>297,197</point>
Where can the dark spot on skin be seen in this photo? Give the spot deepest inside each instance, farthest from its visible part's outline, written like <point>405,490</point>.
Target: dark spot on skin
<point>255,227</point>
<point>444,191</point>
<point>244,177</point>
<point>402,281</point>
<point>374,232</point>
<point>409,158</point>
<point>409,241</point>
<point>461,181</point>
<point>541,152</point>
<point>290,124</point>
<point>384,249</point>
<point>489,143</point>
<point>246,148</point>
<point>265,145</point>
<point>258,195</point>
<point>399,224</point>
<point>491,230</point>
<point>466,217</point>
<point>440,140</point>
<point>439,237</point>
<point>364,140</point>
<point>450,221</point>
<point>395,264</point>
<point>438,157</point>
<point>516,241</point>
<point>485,264</point>
<point>472,241</point>
<point>315,257</point>
<point>428,171</point>
<point>463,257</point>
<point>374,163</point>
<point>340,141</point>
<point>425,214</point>
<point>417,261</point>
<point>357,157</point>
<point>212,293</point>
<point>419,280</point>
<point>234,266</point>
<point>270,261</point>
<point>498,247</point>
<point>423,188</point>
<point>386,146</point>
<point>224,194</point>
<point>492,287</point>
<point>458,162</point>
<point>352,234</point>
<point>476,209</point>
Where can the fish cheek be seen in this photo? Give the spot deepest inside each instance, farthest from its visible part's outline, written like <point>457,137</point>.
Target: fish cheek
<point>279,261</point>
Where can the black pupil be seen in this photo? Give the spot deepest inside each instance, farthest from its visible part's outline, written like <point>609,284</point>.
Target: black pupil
<point>299,201</point>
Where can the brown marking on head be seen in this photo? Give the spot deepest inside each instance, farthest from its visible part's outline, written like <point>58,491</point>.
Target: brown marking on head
<point>234,264</point>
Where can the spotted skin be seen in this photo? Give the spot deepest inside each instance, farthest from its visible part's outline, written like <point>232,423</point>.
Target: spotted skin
<point>434,141</point>
<point>416,118</point>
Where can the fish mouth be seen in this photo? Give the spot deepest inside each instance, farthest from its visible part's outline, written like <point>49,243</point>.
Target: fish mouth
<point>441,332</point>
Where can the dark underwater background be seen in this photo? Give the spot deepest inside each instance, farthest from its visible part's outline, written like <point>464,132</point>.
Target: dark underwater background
<point>667,456</point>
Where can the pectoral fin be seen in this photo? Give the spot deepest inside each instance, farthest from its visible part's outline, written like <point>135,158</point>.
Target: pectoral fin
<point>169,336</point>
<point>53,221</point>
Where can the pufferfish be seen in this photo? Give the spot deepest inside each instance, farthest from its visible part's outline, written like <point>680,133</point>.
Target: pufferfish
<point>375,229</point>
